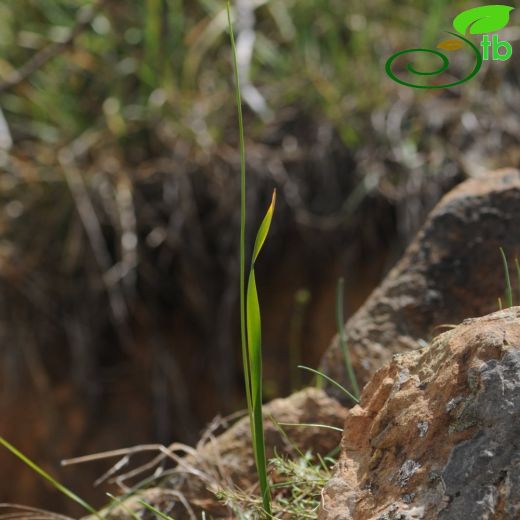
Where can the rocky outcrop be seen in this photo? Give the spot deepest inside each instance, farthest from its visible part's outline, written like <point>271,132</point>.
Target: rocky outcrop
<point>436,435</point>
<point>227,462</point>
<point>451,271</point>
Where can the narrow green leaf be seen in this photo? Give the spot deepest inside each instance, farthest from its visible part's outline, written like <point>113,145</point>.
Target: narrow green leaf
<point>340,318</point>
<point>481,20</point>
<point>242,247</point>
<point>254,334</point>
<point>254,350</point>
<point>263,230</point>
<point>62,489</point>
<point>120,502</point>
<point>509,289</point>
<point>285,436</point>
<point>517,265</point>
<point>330,380</point>
<point>160,514</point>
<point>260,454</point>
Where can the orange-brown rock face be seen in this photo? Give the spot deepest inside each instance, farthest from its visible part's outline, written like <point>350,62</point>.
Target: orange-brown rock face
<point>436,435</point>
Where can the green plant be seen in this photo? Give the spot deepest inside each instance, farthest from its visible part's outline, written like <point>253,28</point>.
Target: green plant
<point>61,488</point>
<point>330,380</point>
<point>508,292</point>
<point>517,265</point>
<point>100,514</point>
<point>154,510</point>
<point>509,289</point>
<point>253,364</point>
<point>250,318</point>
<point>301,301</point>
<point>299,481</point>
<point>343,343</point>
<point>340,319</point>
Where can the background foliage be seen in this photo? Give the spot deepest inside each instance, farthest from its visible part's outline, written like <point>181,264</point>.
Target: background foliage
<point>119,198</point>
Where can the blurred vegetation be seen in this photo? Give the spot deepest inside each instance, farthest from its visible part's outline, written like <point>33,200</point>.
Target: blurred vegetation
<point>120,193</point>
<point>125,140</point>
<point>160,69</point>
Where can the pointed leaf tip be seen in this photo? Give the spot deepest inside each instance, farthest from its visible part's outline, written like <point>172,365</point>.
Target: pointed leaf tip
<point>263,230</point>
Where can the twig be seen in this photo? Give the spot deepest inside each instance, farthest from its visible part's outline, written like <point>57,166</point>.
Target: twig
<point>164,452</point>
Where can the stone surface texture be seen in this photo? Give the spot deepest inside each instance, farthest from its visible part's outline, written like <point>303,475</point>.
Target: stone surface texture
<point>451,271</point>
<point>437,432</point>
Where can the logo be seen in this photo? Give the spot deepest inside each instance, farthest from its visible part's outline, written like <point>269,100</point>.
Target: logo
<point>477,21</point>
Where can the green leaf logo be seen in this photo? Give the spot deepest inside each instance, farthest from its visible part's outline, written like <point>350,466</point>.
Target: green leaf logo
<point>481,20</point>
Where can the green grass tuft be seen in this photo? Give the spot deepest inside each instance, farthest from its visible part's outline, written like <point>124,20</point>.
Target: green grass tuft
<point>509,297</point>
<point>297,489</point>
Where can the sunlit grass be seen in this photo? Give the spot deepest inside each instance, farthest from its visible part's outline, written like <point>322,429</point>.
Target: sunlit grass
<point>51,480</point>
<point>250,317</point>
<point>31,513</point>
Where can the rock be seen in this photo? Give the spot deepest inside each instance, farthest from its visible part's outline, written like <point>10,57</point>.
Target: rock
<point>451,271</point>
<point>226,462</point>
<point>443,442</point>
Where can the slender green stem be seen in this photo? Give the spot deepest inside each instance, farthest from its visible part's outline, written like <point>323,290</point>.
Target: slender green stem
<point>238,99</point>
<point>330,380</point>
<point>61,488</point>
<point>509,290</point>
<point>340,317</point>
<point>285,436</point>
<point>250,320</point>
<point>154,510</point>
<point>517,265</point>
<point>296,325</point>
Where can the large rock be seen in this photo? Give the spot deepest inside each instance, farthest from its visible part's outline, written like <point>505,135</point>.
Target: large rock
<point>436,435</point>
<point>451,271</point>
